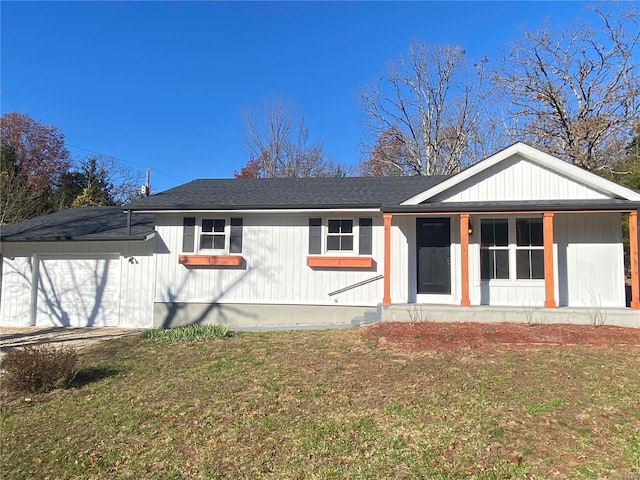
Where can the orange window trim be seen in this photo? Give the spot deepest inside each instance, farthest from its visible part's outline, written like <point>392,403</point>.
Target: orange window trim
<point>340,262</point>
<point>210,260</point>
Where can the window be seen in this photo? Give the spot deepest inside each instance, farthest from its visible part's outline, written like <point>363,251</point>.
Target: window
<point>511,245</point>
<point>529,249</point>
<point>212,234</point>
<point>221,234</point>
<point>340,235</point>
<point>494,249</point>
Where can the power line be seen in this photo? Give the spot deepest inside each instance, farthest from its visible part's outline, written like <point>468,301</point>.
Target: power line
<point>154,170</point>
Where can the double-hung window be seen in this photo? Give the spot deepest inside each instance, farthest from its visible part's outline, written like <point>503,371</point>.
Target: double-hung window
<point>340,236</point>
<point>494,249</point>
<point>511,249</point>
<point>529,249</point>
<point>212,235</point>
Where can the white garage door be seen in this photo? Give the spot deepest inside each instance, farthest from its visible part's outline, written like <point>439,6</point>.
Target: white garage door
<point>78,292</point>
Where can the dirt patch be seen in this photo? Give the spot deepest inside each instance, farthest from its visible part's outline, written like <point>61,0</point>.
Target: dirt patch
<point>438,336</point>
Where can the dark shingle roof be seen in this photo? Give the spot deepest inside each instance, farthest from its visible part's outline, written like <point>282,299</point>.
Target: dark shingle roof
<point>81,223</point>
<point>289,193</point>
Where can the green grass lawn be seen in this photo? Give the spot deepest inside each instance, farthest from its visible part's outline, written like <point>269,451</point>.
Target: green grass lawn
<point>328,404</point>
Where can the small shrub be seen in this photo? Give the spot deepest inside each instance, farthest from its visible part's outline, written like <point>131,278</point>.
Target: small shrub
<point>190,333</point>
<point>39,369</point>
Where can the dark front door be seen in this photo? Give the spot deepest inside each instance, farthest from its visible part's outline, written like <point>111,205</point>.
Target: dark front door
<point>433,244</point>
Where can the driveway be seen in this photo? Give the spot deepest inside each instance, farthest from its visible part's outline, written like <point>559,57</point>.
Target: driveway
<point>12,337</point>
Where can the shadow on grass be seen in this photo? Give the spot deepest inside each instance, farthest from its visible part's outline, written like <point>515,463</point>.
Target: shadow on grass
<point>88,375</point>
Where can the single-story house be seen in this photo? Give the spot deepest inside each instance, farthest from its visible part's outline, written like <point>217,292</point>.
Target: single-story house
<point>520,232</point>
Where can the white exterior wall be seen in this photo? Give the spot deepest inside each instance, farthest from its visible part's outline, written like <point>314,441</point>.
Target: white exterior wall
<point>518,179</point>
<point>503,292</point>
<point>589,260</point>
<point>135,278</point>
<point>275,271</point>
<point>404,266</point>
<point>588,265</point>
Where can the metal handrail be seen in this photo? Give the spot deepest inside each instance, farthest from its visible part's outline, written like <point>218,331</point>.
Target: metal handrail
<point>356,285</point>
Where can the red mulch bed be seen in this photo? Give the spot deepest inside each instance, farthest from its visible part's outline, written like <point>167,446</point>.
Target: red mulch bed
<point>433,335</point>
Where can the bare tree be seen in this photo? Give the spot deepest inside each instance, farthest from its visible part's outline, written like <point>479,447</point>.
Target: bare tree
<point>425,114</point>
<point>575,92</point>
<point>97,181</point>
<point>278,145</point>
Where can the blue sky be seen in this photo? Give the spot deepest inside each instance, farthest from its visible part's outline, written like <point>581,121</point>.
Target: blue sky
<point>161,85</point>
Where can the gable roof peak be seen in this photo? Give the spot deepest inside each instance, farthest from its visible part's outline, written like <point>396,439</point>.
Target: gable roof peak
<point>534,155</point>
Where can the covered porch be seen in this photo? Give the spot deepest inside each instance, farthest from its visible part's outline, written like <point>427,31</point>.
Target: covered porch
<point>568,248</point>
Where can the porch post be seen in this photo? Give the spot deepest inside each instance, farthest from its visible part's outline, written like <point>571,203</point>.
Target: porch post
<point>633,258</point>
<point>386,299</point>
<point>464,254</point>
<point>549,287</point>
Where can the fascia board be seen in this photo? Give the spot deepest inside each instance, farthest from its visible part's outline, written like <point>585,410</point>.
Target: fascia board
<point>264,211</point>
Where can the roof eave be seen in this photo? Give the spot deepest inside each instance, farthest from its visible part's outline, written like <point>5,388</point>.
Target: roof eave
<point>60,238</point>
<point>443,208</point>
<point>253,208</point>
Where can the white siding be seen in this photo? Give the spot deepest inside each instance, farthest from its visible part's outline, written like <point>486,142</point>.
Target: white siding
<point>403,263</point>
<point>15,298</point>
<point>518,179</point>
<point>590,262</point>
<point>275,270</point>
<point>589,269</point>
<point>135,269</point>
<point>506,292</point>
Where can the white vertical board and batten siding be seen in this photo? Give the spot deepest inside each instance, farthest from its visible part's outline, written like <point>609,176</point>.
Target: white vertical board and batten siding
<point>590,260</point>
<point>518,179</point>
<point>17,275</point>
<point>275,249</point>
<point>404,265</point>
<point>134,278</point>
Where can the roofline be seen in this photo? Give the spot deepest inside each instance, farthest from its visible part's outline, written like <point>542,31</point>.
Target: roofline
<point>537,156</point>
<point>119,238</point>
<point>306,209</point>
<point>442,209</point>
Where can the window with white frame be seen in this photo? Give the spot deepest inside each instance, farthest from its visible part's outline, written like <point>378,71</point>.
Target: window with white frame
<point>511,249</point>
<point>222,235</point>
<point>494,249</point>
<point>529,249</point>
<point>212,234</point>
<point>340,235</point>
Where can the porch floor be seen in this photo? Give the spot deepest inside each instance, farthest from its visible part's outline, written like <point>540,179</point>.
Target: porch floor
<point>412,312</point>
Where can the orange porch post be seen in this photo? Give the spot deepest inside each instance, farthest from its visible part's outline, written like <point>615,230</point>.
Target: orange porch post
<point>464,254</point>
<point>633,257</point>
<point>386,299</point>
<point>549,284</point>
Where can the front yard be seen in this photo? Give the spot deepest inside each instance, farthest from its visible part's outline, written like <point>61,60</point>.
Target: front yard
<point>333,404</point>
